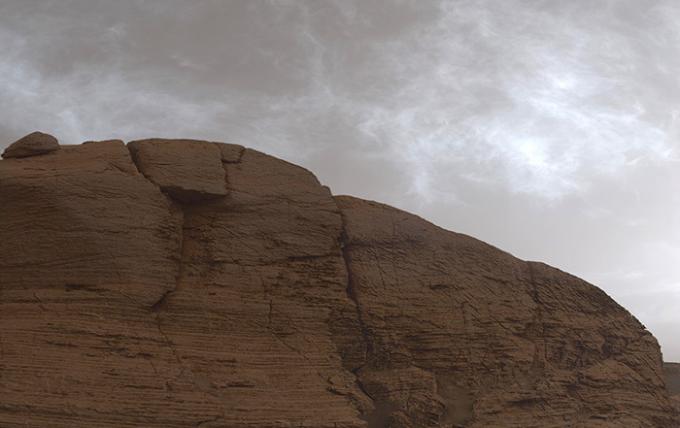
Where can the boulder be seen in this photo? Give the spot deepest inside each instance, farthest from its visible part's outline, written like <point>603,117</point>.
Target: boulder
<point>33,144</point>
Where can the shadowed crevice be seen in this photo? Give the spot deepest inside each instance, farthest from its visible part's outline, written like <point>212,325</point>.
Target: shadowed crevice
<point>163,300</point>
<point>367,347</point>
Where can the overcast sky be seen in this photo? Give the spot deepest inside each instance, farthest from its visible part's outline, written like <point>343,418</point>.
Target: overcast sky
<point>550,129</point>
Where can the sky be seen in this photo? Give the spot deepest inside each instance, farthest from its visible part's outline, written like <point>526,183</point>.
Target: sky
<point>550,129</point>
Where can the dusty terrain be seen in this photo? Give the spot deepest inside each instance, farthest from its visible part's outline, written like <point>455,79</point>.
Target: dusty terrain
<point>179,283</point>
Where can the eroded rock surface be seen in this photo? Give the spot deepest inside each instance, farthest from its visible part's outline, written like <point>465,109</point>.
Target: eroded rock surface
<point>458,332</point>
<point>203,284</point>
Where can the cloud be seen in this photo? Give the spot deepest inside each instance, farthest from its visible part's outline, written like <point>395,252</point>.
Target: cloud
<point>93,100</point>
<point>542,101</point>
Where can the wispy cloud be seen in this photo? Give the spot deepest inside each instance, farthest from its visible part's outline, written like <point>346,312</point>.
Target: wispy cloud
<point>541,100</point>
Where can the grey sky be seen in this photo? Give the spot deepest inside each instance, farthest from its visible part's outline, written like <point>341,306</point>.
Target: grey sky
<point>550,129</point>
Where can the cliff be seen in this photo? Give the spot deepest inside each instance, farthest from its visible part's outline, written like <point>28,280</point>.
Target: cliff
<point>179,283</point>
<point>672,375</point>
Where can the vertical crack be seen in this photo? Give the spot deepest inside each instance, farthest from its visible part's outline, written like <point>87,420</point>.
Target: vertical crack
<point>162,301</point>
<point>352,295</point>
<point>538,317</point>
<point>170,344</point>
<point>228,160</point>
<point>368,347</point>
<point>270,313</point>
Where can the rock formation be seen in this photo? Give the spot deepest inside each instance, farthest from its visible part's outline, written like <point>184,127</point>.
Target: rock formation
<point>178,283</point>
<point>36,143</point>
<point>672,374</point>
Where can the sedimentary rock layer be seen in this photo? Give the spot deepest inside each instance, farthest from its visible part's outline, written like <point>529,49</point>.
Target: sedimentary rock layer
<point>175,283</point>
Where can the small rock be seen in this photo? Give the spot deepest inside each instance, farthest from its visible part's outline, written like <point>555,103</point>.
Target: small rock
<point>231,153</point>
<point>33,144</point>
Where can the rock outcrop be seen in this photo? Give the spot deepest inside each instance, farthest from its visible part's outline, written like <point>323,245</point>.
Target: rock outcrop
<point>672,374</point>
<point>176,283</point>
<point>184,169</point>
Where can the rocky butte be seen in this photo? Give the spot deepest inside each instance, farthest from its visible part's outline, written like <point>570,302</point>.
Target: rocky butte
<point>178,283</point>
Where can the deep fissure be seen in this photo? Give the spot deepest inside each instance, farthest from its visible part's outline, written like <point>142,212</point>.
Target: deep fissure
<point>354,298</point>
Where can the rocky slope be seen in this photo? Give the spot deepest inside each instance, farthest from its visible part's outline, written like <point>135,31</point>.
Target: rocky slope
<point>178,283</point>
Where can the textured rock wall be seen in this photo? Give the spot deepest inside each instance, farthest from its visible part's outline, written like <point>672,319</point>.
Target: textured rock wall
<point>459,332</point>
<point>672,375</point>
<point>175,283</point>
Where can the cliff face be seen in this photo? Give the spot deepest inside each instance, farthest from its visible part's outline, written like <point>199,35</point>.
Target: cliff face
<point>175,283</point>
<point>672,374</point>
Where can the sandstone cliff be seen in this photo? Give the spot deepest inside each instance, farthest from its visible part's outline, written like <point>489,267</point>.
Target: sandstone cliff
<point>178,283</point>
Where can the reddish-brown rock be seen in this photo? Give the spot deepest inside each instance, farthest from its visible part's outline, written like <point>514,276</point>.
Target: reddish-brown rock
<point>33,144</point>
<point>459,332</point>
<point>188,170</point>
<point>84,222</point>
<point>208,285</point>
